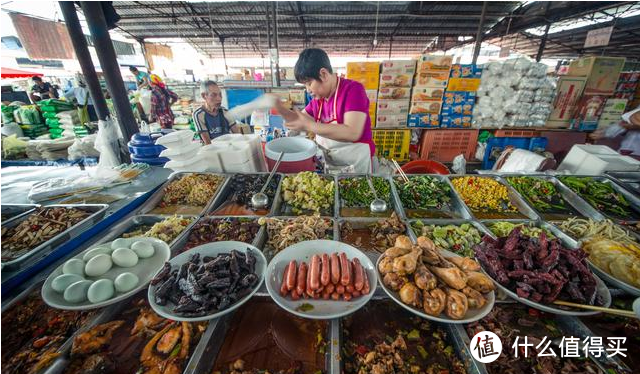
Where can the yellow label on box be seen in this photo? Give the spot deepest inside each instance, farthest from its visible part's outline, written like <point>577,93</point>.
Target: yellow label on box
<point>463,84</point>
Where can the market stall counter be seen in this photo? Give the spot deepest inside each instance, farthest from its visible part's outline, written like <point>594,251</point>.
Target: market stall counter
<point>118,202</point>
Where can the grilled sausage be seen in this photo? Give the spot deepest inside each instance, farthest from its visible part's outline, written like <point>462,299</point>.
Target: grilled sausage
<point>302,278</point>
<point>366,287</point>
<point>325,276</point>
<point>345,270</point>
<point>315,272</point>
<point>358,274</point>
<point>335,268</point>
<point>291,275</point>
<point>283,288</point>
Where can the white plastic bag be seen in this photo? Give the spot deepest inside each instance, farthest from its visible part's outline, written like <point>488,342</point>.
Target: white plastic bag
<point>482,147</point>
<point>107,143</point>
<point>459,165</point>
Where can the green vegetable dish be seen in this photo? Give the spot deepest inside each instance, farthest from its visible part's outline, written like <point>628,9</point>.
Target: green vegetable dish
<point>455,238</point>
<point>502,229</point>
<point>602,196</point>
<point>425,197</point>
<point>356,196</point>
<point>308,192</point>
<point>542,194</point>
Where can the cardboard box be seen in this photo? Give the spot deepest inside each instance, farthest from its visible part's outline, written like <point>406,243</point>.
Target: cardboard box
<point>297,97</point>
<point>396,80</point>
<point>557,124</point>
<point>394,93</point>
<point>433,62</point>
<point>422,107</point>
<point>424,121</point>
<point>427,93</point>
<point>393,107</point>
<point>465,71</point>
<point>432,78</point>
<point>463,109</point>
<point>391,121</point>
<point>463,84</point>
<point>588,112</point>
<point>358,69</point>
<point>614,107</point>
<point>398,67</point>
<point>568,91</point>
<point>456,122</point>
<point>459,97</point>
<point>602,73</point>
<point>370,82</point>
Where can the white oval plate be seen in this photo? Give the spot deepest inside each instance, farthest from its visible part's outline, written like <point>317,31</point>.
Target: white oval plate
<point>322,309</point>
<point>210,249</point>
<point>471,316</point>
<point>145,269</point>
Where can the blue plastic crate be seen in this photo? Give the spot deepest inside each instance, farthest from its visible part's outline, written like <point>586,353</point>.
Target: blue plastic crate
<point>496,145</point>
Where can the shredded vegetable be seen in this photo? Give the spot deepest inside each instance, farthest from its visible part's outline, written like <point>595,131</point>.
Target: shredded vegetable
<point>588,228</point>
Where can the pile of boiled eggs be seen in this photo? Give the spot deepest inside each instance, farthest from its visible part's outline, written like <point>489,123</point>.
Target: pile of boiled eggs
<point>95,263</point>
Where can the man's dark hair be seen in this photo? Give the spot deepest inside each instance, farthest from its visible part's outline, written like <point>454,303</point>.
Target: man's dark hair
<point>204,86</point>
<point>36,78</point>
<point>310,61</point>
<point>133,69</point>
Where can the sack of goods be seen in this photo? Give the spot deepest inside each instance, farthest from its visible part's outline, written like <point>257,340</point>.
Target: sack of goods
<point>56,149</point>
<point>514,92</point>
<point>83,147</point>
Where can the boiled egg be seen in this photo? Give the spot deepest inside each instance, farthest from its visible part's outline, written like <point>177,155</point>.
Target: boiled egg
<point>100,290</point>
<point>143,249</point>
<point>98,265</point>
<point>73,266</point>
<point>97,251</point>
<point>77,292</point>
<point>125,282</point>
<point>120,243</point>
<point>62,281</point>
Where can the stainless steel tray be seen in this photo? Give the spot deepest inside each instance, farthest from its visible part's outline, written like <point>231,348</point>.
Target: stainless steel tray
<point>157,196</point>
<point>524,210</point>
<point>226,192</point>
<point>359,223</point>
<point>394,206</point>
<point>458,210</point>
<point>571,198</point>
<point>97,318</point>
<point>16,211</point>
<point>442,222</point>
<point>282,209</point>
<point>269,252</point>
<point>634,201</point>
<point>145,219</point>
<point>628,179</point>
<point>96,211</point>
<point>207,354</point>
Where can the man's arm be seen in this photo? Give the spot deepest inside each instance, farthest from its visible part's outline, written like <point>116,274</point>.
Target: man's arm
<point>201,128</point>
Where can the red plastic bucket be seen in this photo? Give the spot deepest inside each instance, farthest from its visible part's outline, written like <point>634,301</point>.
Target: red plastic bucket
<point>299,154</point>
<point>425,167</point>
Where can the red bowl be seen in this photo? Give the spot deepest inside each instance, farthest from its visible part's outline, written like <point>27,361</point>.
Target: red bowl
<point>425,167</point>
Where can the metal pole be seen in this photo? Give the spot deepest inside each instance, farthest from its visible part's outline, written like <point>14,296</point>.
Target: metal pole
<point>543,42</point>
<point>224,57</point>
<point>275,39</point>
<point>143,47</point>
<point>107,56</point>
<point>476,48</point>
<point>390,46</point>
<point>84,58</point>
<point>268,5</point>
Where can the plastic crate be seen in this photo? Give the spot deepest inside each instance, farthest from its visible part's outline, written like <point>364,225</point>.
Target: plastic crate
<point>445,145</point>
<point>392,144</point>
<point>513,133</point>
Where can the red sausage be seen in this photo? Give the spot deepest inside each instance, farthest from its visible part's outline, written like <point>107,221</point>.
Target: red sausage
<point>308,291</point>
<point>340,289</point>
<point>330,288</point>
<point>326,295</point>
<point>335,269</point>
<point>302,278</point>
<point>315,272</point>
<point>283,288</point>
<point>346,296</point>
<point>345,270</point>
<point>355,294</point>
<point>325,277</point>
<point>316,295</point>
<point>295,295</point>
<point>366,287</point>
<point>358,274</point>
<point>335,296</point>
<point>291,275</point>
<point>349,288</point>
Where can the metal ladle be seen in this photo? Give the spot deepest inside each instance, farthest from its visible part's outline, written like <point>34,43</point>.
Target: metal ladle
<point>260,199</point>
<point>377,205</point>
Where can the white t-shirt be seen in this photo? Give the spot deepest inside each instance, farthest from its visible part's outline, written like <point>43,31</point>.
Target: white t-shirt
<point>631,139</point>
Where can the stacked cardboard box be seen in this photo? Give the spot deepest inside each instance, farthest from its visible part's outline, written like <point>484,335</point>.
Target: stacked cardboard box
<point>460,96</point>
<point>628,86</point>
<point>432,77</point>
<point>612,112</point>
<point>396,78</point>
<point>367,73</point>
<point>373,100</point>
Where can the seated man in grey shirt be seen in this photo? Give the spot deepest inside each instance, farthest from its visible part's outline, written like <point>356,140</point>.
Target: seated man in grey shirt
<point>211,119</point>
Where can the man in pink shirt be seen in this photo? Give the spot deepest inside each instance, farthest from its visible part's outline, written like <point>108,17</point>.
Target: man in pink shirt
<point>338,114</point>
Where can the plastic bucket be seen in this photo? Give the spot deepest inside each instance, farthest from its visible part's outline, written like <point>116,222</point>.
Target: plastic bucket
<point>425,167</point>
<point>299,154</point>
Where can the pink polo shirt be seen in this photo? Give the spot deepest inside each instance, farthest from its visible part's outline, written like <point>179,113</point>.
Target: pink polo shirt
<point>351,98</point>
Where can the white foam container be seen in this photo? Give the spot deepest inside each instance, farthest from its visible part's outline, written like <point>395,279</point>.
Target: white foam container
<point>176,139</point>
<point>185,153</point>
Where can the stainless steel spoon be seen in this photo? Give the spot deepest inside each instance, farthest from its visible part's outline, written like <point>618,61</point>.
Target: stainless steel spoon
<point>377,205</point>
<point>260,199</point>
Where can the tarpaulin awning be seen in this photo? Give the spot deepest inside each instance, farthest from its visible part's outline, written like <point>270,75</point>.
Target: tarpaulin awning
<point>15,73</point>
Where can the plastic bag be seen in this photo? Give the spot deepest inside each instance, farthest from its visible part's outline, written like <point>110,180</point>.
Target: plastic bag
<point>107,144</point>
<point>13,148</point>
<point>459,165</point>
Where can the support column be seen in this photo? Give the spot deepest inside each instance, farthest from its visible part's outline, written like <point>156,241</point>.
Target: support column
<point>106,54</point>
<point>224,57</point>
<point>275,38</point>
<point>84,58</point>
<point>543,42</point>
<point>476,48</point>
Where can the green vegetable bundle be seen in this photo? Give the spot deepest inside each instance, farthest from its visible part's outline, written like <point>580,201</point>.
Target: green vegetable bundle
<point>502,229</point>
<point>307,191</point>
<point>423,192</point>
<point>600,195</point>
<point>540,193</point>
<point>356,192</point>
<point>455,238</point>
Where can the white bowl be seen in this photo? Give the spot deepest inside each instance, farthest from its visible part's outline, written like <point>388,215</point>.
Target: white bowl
<point>322,309</point>
<point>144,269</point>
<point>210,249</point>
<point>471,316</point>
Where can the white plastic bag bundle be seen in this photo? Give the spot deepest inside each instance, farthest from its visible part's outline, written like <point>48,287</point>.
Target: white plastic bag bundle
<point>83,147</point>
<point>459,165</point>
<point>107,143</point>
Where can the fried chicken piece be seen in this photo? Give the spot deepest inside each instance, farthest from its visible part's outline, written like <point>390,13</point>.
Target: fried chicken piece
<point>94,339</point>
<point>424,279</point>
<point>147,320</point>
<point>464,263</point>
<point>394,281</point>
<point>410,295</point>
<point>403,242</point>
<point>426,243</point>
<point>434,301</point>
<point>394,252</point>
<point>407,264</point>
<point>476,299</point>
<point>452,277</point>
<point>385,265</point>
<point>480,282</point>
<point>457,304</point>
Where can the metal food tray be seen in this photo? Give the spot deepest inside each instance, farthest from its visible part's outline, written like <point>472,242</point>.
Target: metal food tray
<point>393,207</point>
<point>96,211</point>
<point>359,223</point>
<point>634,201</point>
<point>442,222</point>
<point>145,219</point>
<point>459,209</point>
<point>225,192</point>
<point>182,240</point>
<point>17,210</point>
<point>282,209</point>
<point>454,337</point>
<point>568,195</point>
<point>262,241</point>
<point>108,314</point>
<point>98,318</point>
<point>157,196</point>
<point>523,208</point>
<point>628,179</point>
<point>207,352</point>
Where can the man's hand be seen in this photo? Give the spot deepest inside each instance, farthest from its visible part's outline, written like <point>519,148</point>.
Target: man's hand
<point>629,126</point>
<point>597,135</point>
